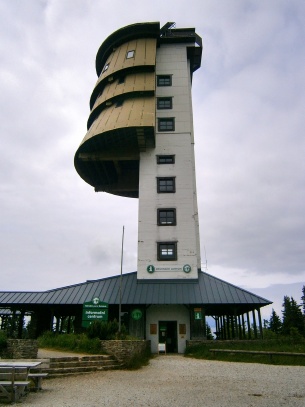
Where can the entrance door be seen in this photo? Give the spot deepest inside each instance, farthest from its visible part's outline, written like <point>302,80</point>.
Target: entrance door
<point>168,335</point>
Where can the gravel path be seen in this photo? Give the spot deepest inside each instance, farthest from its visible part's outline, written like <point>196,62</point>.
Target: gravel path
<point>178,381</point>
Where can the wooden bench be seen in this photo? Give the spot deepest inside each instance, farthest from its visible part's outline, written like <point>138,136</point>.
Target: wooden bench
<point>256,352</point>
<point>37,379</point>
<point>13,383</point>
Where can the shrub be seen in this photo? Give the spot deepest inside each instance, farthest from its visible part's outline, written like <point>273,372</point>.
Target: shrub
<point>71,342</point>
<point>3,340</point>
<point>106,330</point>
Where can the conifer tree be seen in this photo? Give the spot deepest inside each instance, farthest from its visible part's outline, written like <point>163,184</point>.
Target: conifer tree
<point>292,316</point>
<point>275,323</point>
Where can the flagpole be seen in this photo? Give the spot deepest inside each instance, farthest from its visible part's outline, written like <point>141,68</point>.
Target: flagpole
<point>120,305</point>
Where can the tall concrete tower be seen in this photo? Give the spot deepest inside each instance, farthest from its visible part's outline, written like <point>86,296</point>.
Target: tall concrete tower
<point>140,141</point>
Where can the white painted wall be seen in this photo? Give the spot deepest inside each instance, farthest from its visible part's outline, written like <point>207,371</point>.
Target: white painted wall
<point>156,313</point>
<point>170,59</point>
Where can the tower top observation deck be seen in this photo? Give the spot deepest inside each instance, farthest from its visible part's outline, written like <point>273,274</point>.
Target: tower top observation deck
<point>122,120</point>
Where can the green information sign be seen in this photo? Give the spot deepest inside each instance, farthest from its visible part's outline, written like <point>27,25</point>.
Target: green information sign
<point>94,310</point>
<point>136,314</point>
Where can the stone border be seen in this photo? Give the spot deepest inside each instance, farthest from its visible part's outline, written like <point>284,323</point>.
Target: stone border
<point>20,349</point>
<point>125,350</point>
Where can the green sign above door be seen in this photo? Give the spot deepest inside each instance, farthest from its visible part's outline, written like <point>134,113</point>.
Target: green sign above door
<point>94,310</point>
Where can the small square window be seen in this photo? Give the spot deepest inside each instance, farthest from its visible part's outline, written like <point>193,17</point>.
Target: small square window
<point>164,80</point>
<point>166,184</point>
<point>121,79</point>
<point>166,217</point>
<point>165,103</point>
<point>165,159</point>
<point>130,54</point>
<point>167,251</point>
<point>166,124</point>
<point>106,66</point>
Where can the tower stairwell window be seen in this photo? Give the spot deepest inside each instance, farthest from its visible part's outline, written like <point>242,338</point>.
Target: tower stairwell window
<point>164,80</point>
<point>165,159</point>
<point>166,124</point>
<point>167,250</point>
<point>165,103</point>
<point>166,217</point>
<point>166,184</point>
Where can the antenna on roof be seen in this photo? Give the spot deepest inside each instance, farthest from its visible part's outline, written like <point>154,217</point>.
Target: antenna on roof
<point>206,261</point>
<point>166,28</point>
<point>120,305</point>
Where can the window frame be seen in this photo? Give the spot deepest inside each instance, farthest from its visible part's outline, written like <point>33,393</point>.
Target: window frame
<point>166,257</point>
<point>164,80</point>
<point>164,99</point>
<point>105,68</point>
<point>165,159</point>
<point>168,211</point>
<point>130,53</point>
<point>166,121</point>
<point>169,189</point>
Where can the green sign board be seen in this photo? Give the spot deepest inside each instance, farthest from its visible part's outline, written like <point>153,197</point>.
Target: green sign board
<point>94,310</point>
<point>198,313</point>
<point>136,314</point>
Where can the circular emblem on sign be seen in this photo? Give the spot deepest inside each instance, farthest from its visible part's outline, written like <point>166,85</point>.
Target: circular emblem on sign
<point>150,268</point>
<point>187,268</point>
<point>96,300</point>
<point>136,314</point>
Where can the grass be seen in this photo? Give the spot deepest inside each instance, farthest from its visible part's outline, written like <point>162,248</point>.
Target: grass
<point>281,344</point>
<point>70,342</point>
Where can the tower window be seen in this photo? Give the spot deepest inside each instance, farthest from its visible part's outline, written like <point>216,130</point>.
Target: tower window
<point>165,103</point>
<point>130,54</point>
<point>165,159</point>
<point>166,217</point>
<point>166,124</point>
<point>166,184</point>
<point>164,80</point>
<point>167,250</point>
<point>106,66</point>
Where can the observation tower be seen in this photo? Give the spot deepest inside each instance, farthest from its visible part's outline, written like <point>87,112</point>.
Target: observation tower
<point>140,141</point>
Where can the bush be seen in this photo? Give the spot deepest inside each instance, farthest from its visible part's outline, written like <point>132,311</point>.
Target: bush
<point>71,342</point>
<point>3,340</point>
<point>106,330</point>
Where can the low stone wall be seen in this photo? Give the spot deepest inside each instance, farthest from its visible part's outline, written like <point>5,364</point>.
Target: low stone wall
<point>20,349</point>
<point>125,350</point>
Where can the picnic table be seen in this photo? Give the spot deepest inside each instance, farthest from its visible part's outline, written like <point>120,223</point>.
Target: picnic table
<point>14,379</point>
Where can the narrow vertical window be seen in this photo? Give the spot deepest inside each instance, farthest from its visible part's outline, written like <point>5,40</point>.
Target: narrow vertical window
<point>106,66</point>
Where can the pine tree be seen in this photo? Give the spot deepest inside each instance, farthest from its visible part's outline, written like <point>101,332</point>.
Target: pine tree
<point>275,323</point>
<point>292,316</point>
<point>303,299</point>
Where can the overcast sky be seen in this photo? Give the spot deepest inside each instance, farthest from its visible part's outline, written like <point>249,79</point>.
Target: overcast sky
<point>249,119</point>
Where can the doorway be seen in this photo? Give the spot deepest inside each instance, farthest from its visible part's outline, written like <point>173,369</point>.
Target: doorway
<point>168,335</point>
